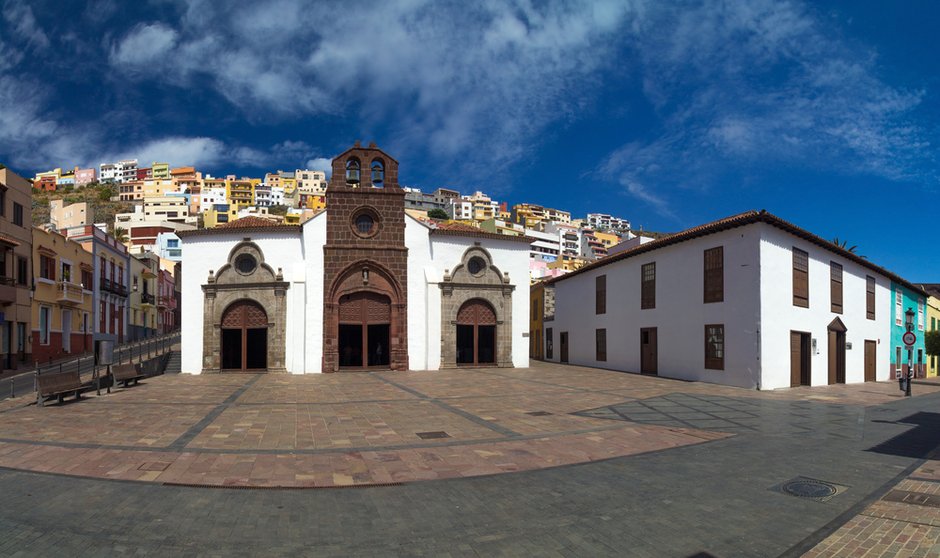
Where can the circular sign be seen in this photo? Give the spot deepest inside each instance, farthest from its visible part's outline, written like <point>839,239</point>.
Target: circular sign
<point>909,338</point>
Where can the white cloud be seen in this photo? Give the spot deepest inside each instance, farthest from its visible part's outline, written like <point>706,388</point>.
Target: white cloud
<point>763,83</point>
<point>21,18</point>
<point>321,164</point>
<point>144,45</point>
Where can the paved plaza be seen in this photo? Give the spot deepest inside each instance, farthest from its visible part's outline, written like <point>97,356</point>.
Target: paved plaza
<point>550,460</point>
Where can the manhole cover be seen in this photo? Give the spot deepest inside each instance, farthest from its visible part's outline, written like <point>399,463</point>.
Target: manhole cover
<point>809,489</point>
<point>432,435</point>
<point>813,489</point>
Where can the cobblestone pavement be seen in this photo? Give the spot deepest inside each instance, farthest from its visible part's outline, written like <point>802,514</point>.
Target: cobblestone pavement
<point>602,463</point>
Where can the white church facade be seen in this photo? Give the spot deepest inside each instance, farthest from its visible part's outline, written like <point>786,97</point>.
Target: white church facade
<point>360,286</point>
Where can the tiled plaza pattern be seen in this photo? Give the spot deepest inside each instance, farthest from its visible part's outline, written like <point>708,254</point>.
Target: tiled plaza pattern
<point>360,429</point>
<point>716,492</point>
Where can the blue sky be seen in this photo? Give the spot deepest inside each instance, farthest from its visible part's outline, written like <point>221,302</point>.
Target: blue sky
<point>670,114</point>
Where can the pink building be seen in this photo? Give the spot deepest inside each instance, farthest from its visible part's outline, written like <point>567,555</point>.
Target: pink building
<point>166,302</point>
<point>85,176</point>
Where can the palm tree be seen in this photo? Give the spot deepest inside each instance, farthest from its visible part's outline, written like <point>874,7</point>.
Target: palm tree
<point>844,245</point>
<point>120,234</point>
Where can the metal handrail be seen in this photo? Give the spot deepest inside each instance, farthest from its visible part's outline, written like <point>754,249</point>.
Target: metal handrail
<point>140,350</point>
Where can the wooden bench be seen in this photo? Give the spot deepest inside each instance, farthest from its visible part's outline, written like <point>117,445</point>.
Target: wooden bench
<point>127,372</point>
<point>58,385</point>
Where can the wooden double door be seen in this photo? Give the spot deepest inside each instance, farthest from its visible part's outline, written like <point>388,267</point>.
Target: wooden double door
<point>476,334</point>
<point>364,331</point>
<point>244,337</point>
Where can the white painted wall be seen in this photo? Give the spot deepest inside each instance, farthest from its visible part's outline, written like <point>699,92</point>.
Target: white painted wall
<point>680,314</point>
<point>301,259</point>
<point>202,253</point>
<point>780,316</point>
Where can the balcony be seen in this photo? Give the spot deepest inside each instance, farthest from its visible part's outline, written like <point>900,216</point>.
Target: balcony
<point>167,302</point>
<point>147,299</point>
<point>105,284</point>
<point>69,293</point>
<point>7,291</point>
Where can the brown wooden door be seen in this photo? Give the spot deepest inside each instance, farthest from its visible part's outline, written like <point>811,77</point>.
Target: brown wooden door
<point>476,333</point>
<point>836,357</point>
<point>364,323</point>
<point>796,358</point>
<point>648,351</point>
<point>871,356</point>
<point>800,347</point>
<point>244,336</point>
<point>563,341</point>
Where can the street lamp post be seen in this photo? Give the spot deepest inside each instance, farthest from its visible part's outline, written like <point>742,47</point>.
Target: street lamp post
<point>909,324</point>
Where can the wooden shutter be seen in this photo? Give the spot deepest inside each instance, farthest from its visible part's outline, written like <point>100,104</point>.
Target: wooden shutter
<point>715,346</point>
<point>648,286</point>
<point>714,275</point>
<point>800,278</point>
<point>835,287</point>
<point>870,297</point>
<point>600,295</point>
<point>601,340</point>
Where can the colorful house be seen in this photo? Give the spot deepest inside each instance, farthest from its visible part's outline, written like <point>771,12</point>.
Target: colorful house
<point>933,322</point>
<point>909,304</point>
<point>62,299</point>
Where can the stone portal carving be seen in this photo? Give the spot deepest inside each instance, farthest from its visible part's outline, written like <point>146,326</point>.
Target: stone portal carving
<point>246,276</point>
<point>475,277</point>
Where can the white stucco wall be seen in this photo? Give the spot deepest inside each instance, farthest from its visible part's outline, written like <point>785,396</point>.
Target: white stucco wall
<point>210,252</point>
<point>308,344</point>
<point>301,259</point>
<point>781,316</point>
<point>680,314</point>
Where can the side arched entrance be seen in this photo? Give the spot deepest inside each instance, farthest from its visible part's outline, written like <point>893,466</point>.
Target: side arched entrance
<point>476,313</point>
<point>244,336</point>
<point>476,334</point>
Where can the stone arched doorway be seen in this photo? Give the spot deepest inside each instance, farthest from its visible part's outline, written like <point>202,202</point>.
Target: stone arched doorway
<point>364,322</point>
<point>476,334</point>
<point>244,336</point>
<point>364,330</point>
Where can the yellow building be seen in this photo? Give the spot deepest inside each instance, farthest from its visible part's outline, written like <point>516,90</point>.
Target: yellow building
<point>607,239</point>
<point>240,193</point>
<point>498,226</point>
<point>536,323</point>
<point>219,214</point>
<point>314,202</point>
<point>160,171</point>
<point>62,302</point>
<point>15,252</point>
<point>567,263</point>
<point>142,322</point>
<point>933,323</point>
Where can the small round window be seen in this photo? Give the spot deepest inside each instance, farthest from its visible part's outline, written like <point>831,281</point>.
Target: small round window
<point>364,224</point>
<point>245,264</point>
<point>476,265</point>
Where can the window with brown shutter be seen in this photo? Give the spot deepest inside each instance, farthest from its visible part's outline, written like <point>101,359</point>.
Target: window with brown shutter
<point>600,295</point>
<point>870,297</point>
<point>714,275</point>
<point>648,286</point>
<point>835,287</point>
<point>47,267</point>
<point>715,346</point>
<point>800,278</point>
<point>600,337</point>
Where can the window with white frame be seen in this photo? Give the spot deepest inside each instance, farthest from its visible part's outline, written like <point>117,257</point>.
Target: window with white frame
<point>920,315</point>
<point>898,308</point>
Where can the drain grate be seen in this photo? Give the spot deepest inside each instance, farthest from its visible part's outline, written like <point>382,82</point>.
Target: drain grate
<point>437,434</point>
<point>538,413</point>
<point>808,488</point>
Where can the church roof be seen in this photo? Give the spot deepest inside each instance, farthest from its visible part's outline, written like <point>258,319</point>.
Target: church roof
<point>462,229</point>
<point>251,223</point>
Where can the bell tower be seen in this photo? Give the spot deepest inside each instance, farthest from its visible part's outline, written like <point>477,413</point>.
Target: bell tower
<point>365,274</point>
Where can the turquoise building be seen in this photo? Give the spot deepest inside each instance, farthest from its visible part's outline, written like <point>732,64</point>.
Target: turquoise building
<point>904,299</point>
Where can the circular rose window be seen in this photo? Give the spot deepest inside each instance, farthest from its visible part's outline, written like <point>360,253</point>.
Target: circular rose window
<point>365,224</point>
<point>245,264</point>
<point>476,265</point>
